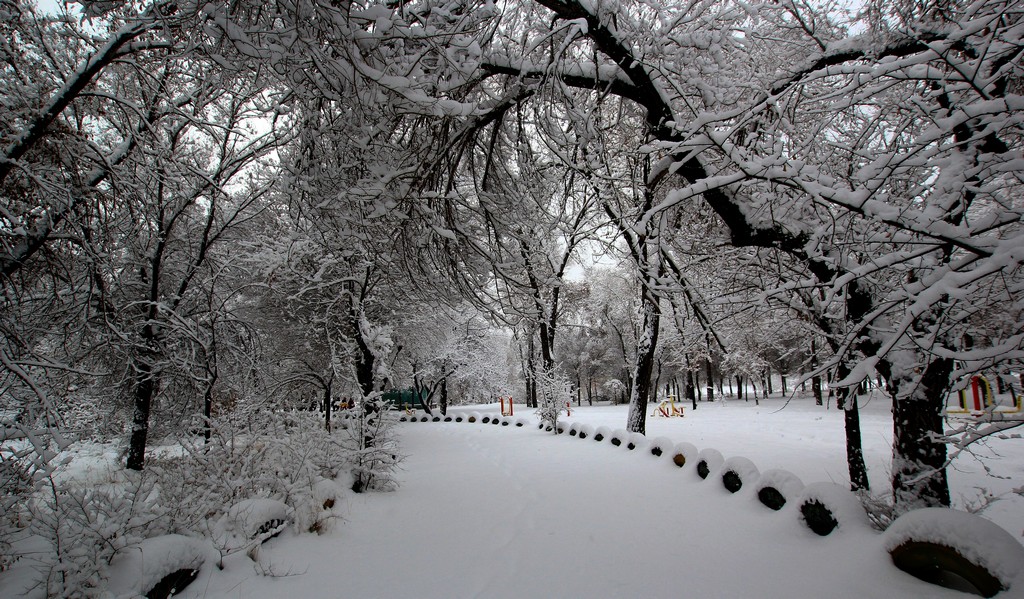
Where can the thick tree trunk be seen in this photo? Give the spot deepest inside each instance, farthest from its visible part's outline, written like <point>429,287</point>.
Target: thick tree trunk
<point>145,389</point>
<point>636,421</point>
<point>919,459</point>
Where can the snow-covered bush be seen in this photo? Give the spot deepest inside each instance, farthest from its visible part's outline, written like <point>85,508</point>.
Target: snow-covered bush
<point>372,450</point>
<point>553,395</point>
<point>85,526</point>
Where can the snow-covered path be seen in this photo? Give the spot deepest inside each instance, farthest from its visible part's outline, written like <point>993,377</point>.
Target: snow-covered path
<point>488,511</point>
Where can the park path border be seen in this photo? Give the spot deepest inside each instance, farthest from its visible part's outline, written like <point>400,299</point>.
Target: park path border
<point>941,546</point>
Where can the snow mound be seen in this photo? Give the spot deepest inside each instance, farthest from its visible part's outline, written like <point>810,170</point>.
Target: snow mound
<point>619,437</point>
<point>981,542</point>
<point>661,445</point>
<point>684,454</point>
<point>738,472</point>
<point>602,433</point>
<point>708,462</point>
<point>250,520</point>
<point>778,487</point>
<point>574,428</point>
<point>136,569</point>
<point>825,507</point>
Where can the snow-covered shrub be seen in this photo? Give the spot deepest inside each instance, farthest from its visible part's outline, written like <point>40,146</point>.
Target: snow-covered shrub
<point>372,449</point>
<point>553,395</point>
<point>86,526</point>
<point>738,471</point>
<point>825,507</point>
<point>708,462</point>
<point>931,542</point>
<point>777,487</point>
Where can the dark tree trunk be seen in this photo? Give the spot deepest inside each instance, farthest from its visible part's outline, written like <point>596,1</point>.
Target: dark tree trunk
<point>636,421</point>
<point>854,450</point>
<point>328,403</point>
<point>919,459</point>
<point>443,402</point>
<point>145,389</point>
<point>690,395</point>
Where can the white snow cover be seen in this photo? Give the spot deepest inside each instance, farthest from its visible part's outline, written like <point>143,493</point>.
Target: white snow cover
<point>842,502</point>
<point>136,569</point>
<point>783,481</point>
<point>980,541</point>
<point>743,467</point>
<point>515,515</point>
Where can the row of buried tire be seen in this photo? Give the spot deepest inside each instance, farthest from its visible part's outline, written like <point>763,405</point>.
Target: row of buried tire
<point>938,545</point>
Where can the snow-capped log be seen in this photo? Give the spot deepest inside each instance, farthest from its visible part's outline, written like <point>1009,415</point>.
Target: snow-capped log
<point>661,445</point>
<point>957,550</point>
<point>738,471</point>
<point>824,507</point>
<point>158,567</point>
<point>684,453</point>
<point>775,488</point>
<point>708,462</point>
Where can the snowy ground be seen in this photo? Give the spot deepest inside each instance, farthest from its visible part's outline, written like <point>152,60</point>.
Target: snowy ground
<point>492,511</point>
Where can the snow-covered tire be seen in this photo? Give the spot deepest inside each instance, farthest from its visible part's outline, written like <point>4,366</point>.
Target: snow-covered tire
<point>158,566</point>
<point>684,453</point>
<point>737,472</point>
<point>619,437</point>
<point>602,433</point>
<point>660,446</point>
<point>776,487</point>
<point>574,428</point>
<point>708,462</point>
<point>824,507</point>
<point>636,440</point>
<point>956,550</point>
<point>585,431</point>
